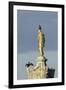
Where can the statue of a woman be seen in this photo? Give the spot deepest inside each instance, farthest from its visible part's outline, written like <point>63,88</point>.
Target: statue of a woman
<point>41,41</point>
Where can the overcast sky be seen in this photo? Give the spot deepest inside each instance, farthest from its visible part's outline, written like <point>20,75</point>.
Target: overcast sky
<point>27,43</point>
<point>27,26</point>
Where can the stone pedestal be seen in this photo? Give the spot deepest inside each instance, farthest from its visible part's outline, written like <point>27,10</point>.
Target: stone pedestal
<point>39,71</point>
<point>41,67</point>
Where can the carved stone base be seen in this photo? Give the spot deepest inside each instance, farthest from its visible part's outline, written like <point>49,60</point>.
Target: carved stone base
<point>39,71</point>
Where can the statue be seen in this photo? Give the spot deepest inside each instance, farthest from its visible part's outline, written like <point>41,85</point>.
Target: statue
<point>41,41</point>
<point>40,70</point>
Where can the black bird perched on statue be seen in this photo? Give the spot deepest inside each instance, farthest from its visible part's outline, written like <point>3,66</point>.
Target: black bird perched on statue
<point>29,64</point>
<point>40,27</point>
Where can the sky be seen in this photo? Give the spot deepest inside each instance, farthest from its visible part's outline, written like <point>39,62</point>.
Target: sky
<point>27,30</point>
<point>27,41</point>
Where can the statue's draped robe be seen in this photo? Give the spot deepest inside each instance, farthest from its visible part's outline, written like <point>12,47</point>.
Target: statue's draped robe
<point>41,40</point>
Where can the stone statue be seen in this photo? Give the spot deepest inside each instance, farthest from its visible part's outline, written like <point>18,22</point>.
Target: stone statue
<point>41,41</point>
<point>40,70</point>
